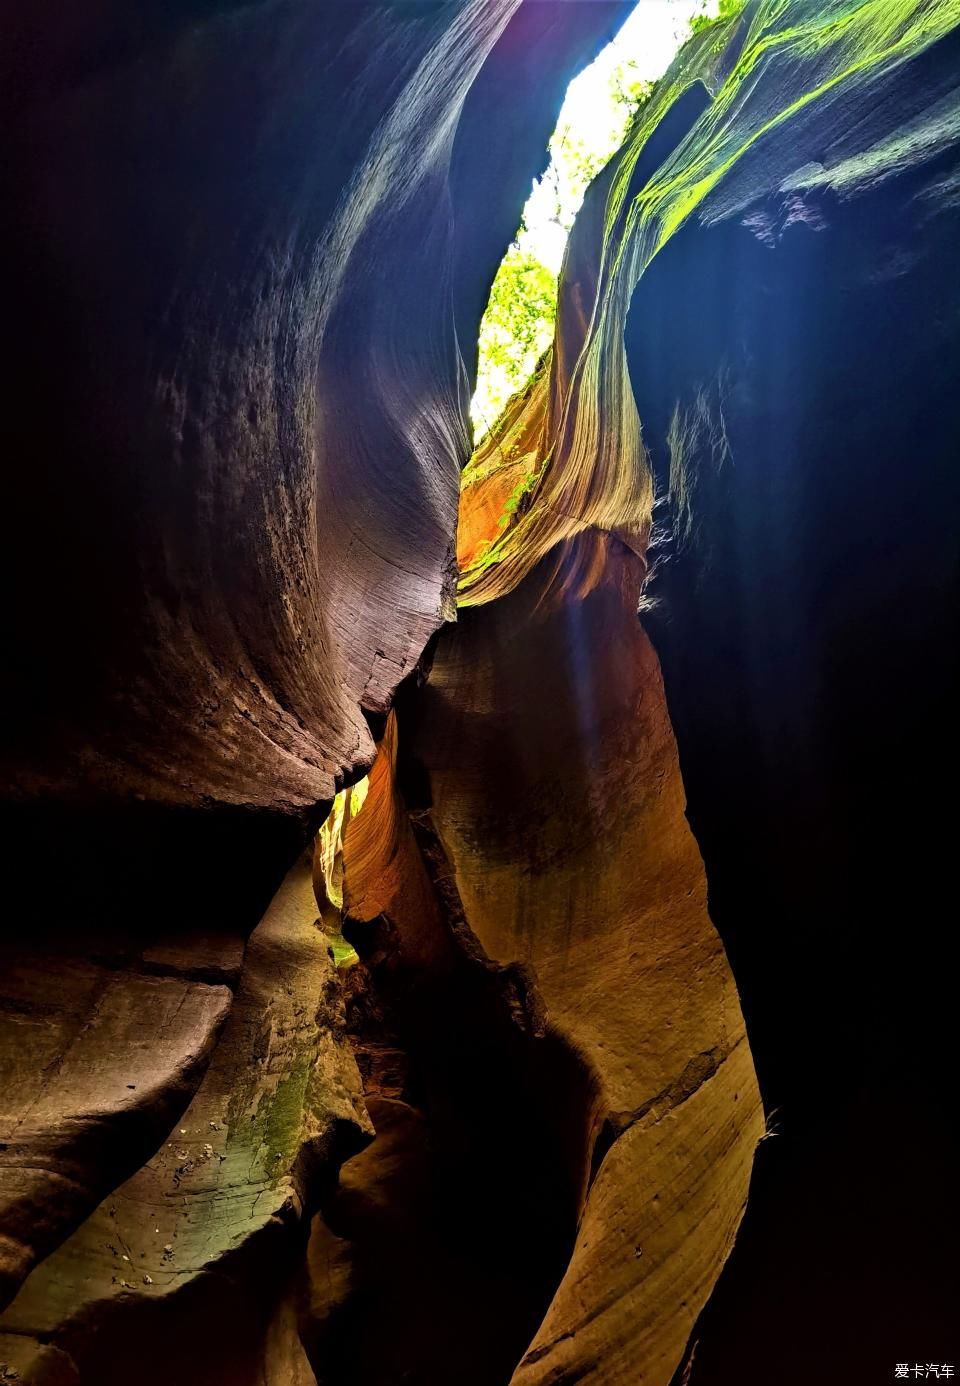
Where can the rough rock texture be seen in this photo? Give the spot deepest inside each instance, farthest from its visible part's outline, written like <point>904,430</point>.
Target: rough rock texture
<point>499,474</point>
<point>557,797</point>
<point>748,107</point>
<point>772,264</point>
<point>661,1216</point>
<point>254,452</point>
<point>247,249</point>
<point>26,1360</point>
<point>92,1071</point>
<point>487,1102</point>
<point>192,1242</point>
<point>246,237</point>
<point>536,927</point>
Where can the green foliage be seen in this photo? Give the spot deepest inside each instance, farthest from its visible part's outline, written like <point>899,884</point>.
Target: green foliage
<point>727,9</point>
<point>575,161</point>
<point>518,325</point>
<point>628,90</point>
<point>517,329</point>
<point>515,500</point>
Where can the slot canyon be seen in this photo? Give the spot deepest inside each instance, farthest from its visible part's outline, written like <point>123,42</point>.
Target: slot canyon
<point>478,905</point>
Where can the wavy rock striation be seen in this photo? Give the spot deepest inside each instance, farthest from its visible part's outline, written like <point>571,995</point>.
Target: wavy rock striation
<point>247,237</point>
<point>769,263</point>
<point>557,796</point>
<point>192,1241</point>
<point>249,243</point>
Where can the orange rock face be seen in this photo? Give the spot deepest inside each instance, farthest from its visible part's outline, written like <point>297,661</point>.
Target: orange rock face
<point>548,859</point>
<point>247,248</point>
<point>245,474</point>
<point>557,796</point>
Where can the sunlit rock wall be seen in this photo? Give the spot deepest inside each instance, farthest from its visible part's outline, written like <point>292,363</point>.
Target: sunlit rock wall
<point>772,268</point>
<point>247,249</point>
<point>245,238</point>
<point>557,795</point>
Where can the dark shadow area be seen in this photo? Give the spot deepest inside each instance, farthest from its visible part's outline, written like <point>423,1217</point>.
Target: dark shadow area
<point>804,607</point>
<point>458,1221</point>
<point>126,885</point>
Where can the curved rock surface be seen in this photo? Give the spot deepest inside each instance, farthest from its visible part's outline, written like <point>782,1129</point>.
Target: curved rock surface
<point>245,472</point>
<point>557,796</point>
<point>803,434</point>
<point>248,248</point>
<point>247,229</point>
<point>769,263</point>
<point>537,927</point>
<point>91,1072</point>
<point>191,1243</point>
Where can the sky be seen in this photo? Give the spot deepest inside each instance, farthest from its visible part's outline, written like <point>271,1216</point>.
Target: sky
<point>595,123</point>
<point>647,42</point>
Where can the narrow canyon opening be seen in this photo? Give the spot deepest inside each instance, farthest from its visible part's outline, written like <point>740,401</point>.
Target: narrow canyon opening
<point>492,1102</point>
<point>481,685</point>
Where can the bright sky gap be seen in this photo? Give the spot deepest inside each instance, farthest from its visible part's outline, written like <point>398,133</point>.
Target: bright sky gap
<point>518,325</point>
